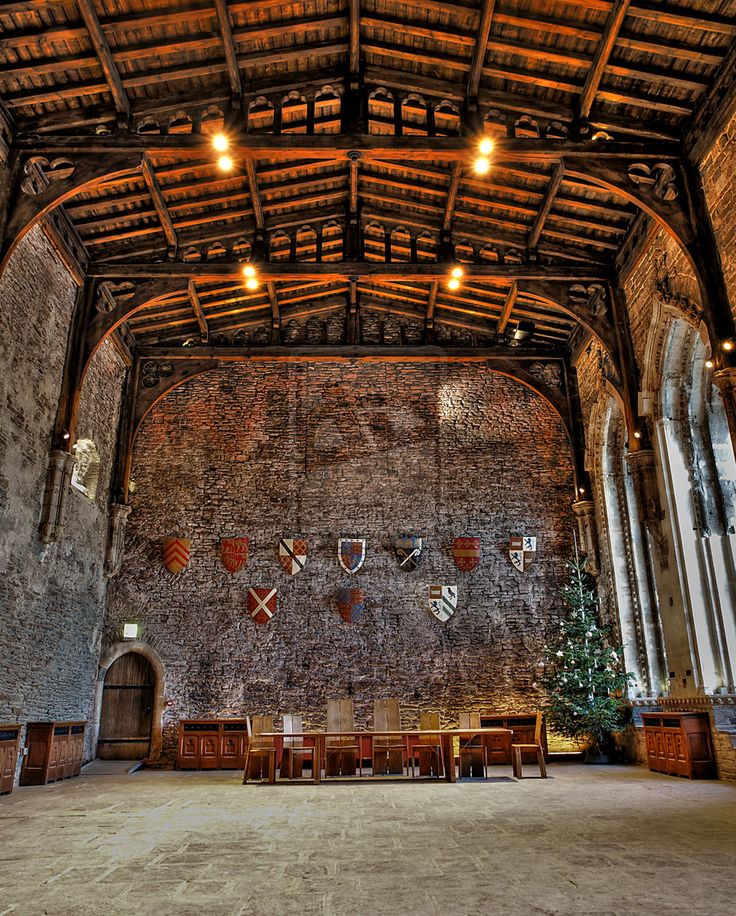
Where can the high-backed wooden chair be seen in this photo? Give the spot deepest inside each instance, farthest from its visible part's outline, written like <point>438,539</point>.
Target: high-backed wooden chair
<point>388,752</point>
<point>340,752</point>
<point>428,747</point>
<point>260,749</point>
<point>517,749</point>
<point>294,749</point>
<point>473,751</point>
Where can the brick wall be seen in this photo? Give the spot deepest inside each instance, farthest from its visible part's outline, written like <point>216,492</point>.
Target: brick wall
<point>326,450</point>
<point>52,597</point>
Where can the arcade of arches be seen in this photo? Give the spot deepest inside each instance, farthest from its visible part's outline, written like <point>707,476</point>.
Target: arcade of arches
<point>575,382</point>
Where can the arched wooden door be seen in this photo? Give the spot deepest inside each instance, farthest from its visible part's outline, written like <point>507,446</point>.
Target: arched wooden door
<point>127,705</point>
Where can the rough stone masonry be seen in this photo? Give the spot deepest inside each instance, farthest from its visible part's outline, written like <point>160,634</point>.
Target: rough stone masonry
<point>346,449</point>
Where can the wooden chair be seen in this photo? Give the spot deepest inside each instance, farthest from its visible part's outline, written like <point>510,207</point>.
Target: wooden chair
<point>340,753</point>
<point>517,749</point>
<point>292,756</point>
<point>473,751</point>
<point>430,746</point>
<point>259,749</point>
<point>388,753</point>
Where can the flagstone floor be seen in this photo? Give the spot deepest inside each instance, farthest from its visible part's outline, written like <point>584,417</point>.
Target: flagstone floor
<point>599,841</point>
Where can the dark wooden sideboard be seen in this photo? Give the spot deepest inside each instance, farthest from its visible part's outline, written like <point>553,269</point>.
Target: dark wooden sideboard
<point>9,740</point>
<point>680,744</point>
<point>212,744</point>
<point>522,727</point>
<point>55,751</point>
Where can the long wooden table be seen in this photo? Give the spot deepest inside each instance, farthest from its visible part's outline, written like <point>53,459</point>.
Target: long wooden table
<point>446,736</point>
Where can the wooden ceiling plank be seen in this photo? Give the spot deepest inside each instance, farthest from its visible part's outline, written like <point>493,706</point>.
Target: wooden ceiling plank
<point>602,56</point>
<point>102,50</point>
<point>354,37</point>
<point>204,332</point>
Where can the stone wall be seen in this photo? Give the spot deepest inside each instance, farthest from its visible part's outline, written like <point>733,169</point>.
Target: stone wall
<point>51,597</point>
<point>329,450</point>
<point>718,170</point>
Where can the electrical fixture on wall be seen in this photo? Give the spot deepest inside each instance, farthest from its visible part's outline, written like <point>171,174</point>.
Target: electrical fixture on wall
<point>130,631</point>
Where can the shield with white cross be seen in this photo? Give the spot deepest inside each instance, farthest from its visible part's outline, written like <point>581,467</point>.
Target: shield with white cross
<point>262,604</point>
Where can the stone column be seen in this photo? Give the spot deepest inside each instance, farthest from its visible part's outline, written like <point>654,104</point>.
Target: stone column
<point>58,478</point>
<point>648,504</point>
<point>587,532</point>
<point>725,381</point>
<point>119,513</point>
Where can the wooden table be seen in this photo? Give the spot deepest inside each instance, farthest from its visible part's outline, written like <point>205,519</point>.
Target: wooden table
<point>446,736</point>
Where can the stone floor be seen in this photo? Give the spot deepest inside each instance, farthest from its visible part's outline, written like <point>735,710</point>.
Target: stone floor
<point>589,840</point>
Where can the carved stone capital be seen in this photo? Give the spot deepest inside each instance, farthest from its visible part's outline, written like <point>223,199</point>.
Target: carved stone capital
<point>119,513</point>
<point>643,467</point>
<point>58,477</point>
<point>584,510</point>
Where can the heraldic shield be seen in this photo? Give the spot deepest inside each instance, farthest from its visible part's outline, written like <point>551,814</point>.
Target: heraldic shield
<point>351,553</point>
<point>521,551</point>
<point>350,603</point>
<point>262,604</point>
<point>443,601</point>
<point>176,553</point>
<point>293,555</point>
<point>234,553</point>
<point>466,552</point>
<point>408,551</point>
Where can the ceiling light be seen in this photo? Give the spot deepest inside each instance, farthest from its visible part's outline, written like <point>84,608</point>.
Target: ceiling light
<point>249,270</point>
<point>251,283</point>
<point>709,364</point>
<point>221,142</point>
<point>637,435</point>
<point>727,345</point>
<point>225,163</point>
<point>453,283</point>
<point>485,147</point>
<point>456,273</point>
<point>482,165</point>
<point>524,330</point>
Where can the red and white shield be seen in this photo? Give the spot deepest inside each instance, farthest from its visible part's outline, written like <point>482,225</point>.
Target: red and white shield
<point>262,604</point>
<point>176,553</point>
<point>466,552</point>
<point>293,554</point>
<point>234,553</point>
<point>350,603</point>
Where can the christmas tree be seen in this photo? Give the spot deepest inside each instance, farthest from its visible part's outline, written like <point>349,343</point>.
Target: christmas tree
<point>583,672</point>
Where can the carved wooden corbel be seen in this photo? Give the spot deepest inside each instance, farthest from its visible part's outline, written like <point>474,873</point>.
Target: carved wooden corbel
<point>116,542</point>
<point>58,478</point>
<point>584,510</point>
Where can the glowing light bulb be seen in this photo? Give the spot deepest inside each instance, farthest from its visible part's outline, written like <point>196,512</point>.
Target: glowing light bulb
<point>221,142</point>
<point>485,147</point>
<point>709,364</point>
<point>481,166</point>
<point>453,283</point>
<point>225,163</point>
<point>456,273</point>
<point>251,283</point>
<point>249,270</point>
<point>727,345</point>
<point>637,435</point>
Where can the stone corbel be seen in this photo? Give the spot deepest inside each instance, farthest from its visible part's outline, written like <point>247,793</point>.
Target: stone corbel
<point>58,478</point>
<point>119,513</point>
<point>588,533</point>
<point>649,508</point>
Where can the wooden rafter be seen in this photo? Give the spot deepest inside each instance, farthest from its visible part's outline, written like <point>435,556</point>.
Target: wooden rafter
<point>543,212</point>
<point>508,307</point>
<point>354,37</point>
<point>104,55</point>
<point>230,48</point>
<point>154,189</point>
<point>204,332</point>
<point>602,56</point>
<point>481,45</point>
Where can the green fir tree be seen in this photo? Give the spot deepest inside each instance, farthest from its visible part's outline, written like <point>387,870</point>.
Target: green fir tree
<point>583,672</point>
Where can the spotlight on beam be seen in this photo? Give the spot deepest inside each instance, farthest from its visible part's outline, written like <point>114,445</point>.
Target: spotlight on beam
<point>524,331</point>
